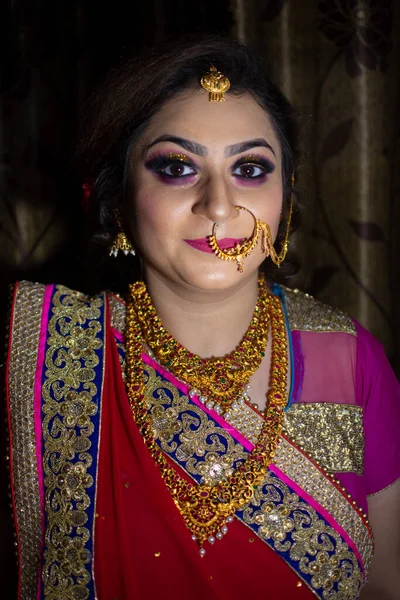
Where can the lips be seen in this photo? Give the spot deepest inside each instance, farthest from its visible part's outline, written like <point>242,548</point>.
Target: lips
<point>203,244</point>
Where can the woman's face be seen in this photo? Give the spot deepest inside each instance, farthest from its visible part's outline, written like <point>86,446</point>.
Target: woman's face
<point>195,163</point>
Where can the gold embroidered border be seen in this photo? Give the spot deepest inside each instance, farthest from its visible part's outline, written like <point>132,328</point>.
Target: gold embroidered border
<point>117,313</point>
<point>25,331</point>
<point>188,433</point>
<point>70,397</point>
<point>305,313</point>
<point>289,525</point>
<point>303,472</point>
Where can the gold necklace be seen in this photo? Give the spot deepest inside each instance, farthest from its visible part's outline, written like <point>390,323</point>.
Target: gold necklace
<point>217,382</point>
<point>207,509</point>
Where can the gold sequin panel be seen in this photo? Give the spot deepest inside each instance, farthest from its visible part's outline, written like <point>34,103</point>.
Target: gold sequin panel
<point>71,396</point>
<point>331,434</point>
<point>305,313</point>
<point>24,338</point>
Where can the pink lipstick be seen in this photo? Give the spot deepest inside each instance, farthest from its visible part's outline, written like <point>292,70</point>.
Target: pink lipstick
<point>203,244</point>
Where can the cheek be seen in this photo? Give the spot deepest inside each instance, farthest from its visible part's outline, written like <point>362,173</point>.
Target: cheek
<point>154,217</point>
<point>272,208</point>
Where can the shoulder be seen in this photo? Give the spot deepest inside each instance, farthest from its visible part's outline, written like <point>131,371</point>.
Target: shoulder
<point>305,313</point>
<point>33,304</point>
<point>35,292</point>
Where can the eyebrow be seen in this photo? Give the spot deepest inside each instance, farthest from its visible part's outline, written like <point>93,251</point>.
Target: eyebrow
<point>243,146</point>
<point>188,145</point>
<point>201,150</point>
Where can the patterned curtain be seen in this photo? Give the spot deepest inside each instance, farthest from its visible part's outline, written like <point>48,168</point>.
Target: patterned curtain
<point>336,60</point>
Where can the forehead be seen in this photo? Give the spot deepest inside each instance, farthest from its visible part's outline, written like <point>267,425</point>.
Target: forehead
<point>213,124</point>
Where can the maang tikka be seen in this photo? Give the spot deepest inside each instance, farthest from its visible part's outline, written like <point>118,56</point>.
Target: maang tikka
<point>216,84</point>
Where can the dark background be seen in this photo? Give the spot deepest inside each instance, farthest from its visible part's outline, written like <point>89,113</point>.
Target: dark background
<point>336,60</point>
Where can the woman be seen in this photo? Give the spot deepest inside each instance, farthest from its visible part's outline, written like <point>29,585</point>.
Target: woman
<point>213,434</point>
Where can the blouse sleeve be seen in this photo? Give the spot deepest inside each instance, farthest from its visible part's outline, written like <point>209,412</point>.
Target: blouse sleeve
<point>378,391</point>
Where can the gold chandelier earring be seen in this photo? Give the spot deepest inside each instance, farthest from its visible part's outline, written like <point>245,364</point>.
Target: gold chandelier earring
<point>121,243</point>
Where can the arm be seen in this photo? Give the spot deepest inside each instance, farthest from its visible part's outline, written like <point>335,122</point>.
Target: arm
<point>384,515</point>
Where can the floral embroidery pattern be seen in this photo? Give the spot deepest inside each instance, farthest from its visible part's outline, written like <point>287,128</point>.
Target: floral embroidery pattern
<point>71,388</point>
<point>277,515</point>
<point>296,531</point>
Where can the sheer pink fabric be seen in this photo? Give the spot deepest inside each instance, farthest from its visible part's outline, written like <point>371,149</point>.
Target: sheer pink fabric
<point>344,369</point>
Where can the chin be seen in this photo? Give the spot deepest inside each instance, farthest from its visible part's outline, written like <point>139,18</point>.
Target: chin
<point>219,277</point>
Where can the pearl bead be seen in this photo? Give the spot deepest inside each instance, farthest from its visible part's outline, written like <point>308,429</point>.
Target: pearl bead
<point>229,519</point>
<point>210,404</point>
<point>224,529</point>
<point>202,552</point>
<point>219,535</point>
<point>203,399</point>
<point>194,538</point>
<point>218,409</point>
<point>192,393</point>
<point>211,539</point>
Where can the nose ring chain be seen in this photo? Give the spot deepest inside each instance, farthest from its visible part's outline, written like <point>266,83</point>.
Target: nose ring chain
<point>241,250</point>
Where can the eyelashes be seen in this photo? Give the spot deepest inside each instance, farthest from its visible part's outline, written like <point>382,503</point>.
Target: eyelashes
<point>173,168</point>
<point>252,167</point>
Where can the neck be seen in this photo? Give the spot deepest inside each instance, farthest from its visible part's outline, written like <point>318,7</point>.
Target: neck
<point>207,323</point>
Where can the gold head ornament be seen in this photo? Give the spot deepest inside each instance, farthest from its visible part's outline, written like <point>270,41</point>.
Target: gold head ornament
<point>216,84</point>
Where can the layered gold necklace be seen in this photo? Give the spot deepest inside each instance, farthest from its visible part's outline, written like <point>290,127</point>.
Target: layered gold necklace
<point>206,509</point>
<point>217,382</point>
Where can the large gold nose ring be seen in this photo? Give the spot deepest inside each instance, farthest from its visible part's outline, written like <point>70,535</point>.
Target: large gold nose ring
<point>241,250</point>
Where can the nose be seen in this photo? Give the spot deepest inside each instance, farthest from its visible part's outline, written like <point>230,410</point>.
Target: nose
<point>216,201</point>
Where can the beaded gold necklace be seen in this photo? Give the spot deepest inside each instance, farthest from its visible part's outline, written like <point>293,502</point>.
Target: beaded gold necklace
<point>206,509</point>
<point>218,382</point>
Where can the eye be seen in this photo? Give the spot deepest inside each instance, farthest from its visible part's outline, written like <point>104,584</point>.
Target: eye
<point>177,169</point>
<point>171,167</point>
<point>249,171</point>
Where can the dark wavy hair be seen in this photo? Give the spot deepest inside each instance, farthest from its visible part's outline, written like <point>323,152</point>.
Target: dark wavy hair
<point>121,109</point>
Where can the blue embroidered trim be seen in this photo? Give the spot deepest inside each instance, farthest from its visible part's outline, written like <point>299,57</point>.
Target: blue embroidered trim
<point>71,403</point>
<point>276,514</point>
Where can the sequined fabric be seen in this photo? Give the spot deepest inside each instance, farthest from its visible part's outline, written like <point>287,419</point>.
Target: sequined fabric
<point>24,337</point>
<point>117,313</point>
<point>331,434</point>
<point>313,481</point>
<point>305,313</point>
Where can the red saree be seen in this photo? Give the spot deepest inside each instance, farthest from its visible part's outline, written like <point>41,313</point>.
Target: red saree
<point>93,516</point>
